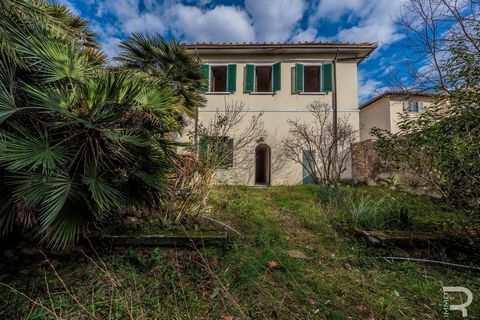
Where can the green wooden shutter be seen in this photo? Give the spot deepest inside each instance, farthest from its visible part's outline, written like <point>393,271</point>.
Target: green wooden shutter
<point>327,77</point>
<point>232,78</point>
<point>308,164</point>
<point>298,77</point>
<point>206,77</point>
<point>277,77</point>
<point>249,78</point>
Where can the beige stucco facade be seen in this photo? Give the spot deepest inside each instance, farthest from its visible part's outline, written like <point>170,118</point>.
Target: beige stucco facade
<point>384,112</point>
<point>279,107</point>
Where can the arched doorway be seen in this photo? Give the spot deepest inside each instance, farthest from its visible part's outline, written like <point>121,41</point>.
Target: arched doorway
<point>262,165</point>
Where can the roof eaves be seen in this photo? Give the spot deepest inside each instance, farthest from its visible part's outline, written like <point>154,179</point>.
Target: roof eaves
<point>387,94</point>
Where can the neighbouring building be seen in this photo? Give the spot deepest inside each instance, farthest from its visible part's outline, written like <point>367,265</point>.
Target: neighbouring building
<point>384,111</point>
<point>279,80</point>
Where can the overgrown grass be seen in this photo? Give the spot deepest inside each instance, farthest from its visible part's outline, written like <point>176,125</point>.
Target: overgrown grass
<point>337,278</point>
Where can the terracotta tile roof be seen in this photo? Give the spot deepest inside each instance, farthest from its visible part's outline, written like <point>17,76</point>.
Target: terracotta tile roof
<point>278,44</point>
<point>361,50</point>
<point>405,94</point>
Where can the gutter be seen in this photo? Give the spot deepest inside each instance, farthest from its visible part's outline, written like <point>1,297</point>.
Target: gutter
<point>334,106</point>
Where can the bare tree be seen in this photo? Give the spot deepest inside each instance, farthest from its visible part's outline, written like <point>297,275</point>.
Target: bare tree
<point>430,27</point>
<point>441,144</point>
<point>317,139</point>
<point>222,143</point>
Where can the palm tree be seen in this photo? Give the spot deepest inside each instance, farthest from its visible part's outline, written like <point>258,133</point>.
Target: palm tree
<point>152,57</point>
<point>78,141</point>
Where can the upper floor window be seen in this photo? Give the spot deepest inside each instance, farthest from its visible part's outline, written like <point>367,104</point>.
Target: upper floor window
<point>219,77</point>
<point>414,106</point>
<point>313,77</point>
<point>263,78</point>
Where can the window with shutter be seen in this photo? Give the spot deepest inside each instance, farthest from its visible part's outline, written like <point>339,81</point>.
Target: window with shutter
<point>249,78</point>
<point>277,77</point>
<point>414,106</point>
<point>205,77</point>
<point>218,79</point>
<point>263,79</point>
<point>311,78</point>
<point>308,164</point>
<point>298,77</point>
<point>327,77</point>
<point>232,78</point>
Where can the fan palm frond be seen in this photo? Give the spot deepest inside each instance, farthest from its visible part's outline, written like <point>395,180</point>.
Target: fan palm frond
<point>156,59</point>
<point>80,140</point>
<point>31,150</point>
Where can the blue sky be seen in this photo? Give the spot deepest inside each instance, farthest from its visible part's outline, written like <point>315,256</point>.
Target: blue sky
<point>256,20</point>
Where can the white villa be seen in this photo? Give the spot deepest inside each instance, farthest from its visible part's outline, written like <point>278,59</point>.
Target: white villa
<point>279,80</point>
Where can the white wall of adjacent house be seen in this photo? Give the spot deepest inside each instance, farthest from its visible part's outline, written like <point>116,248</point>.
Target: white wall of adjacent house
<point>375,115</point>
<point>401,106</point>
<point>277,109</point>
<point>386,113</point>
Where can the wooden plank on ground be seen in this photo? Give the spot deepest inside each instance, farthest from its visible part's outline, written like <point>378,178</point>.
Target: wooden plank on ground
<point>197,240</point>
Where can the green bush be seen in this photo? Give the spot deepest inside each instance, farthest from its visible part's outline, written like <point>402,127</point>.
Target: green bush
<point>364,210</point>
<point>79,140</point>
<point>371,213</point>
<point>328,194</point>
<point>395,217</point>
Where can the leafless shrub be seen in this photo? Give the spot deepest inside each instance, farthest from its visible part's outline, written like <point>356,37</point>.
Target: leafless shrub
<point>332,152</point>
<point>221,144</point>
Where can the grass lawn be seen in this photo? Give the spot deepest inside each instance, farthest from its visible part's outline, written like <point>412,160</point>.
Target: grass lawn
<point>291,263</point>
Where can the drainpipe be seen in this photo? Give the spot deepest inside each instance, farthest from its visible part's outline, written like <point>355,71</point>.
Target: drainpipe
<point>334,107</point>
<point>195,132</point>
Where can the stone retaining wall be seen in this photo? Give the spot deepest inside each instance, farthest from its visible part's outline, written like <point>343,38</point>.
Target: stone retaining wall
<point>370,169</point>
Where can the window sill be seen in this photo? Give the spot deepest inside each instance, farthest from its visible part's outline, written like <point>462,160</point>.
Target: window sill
<point>218,93</point>
<point>263,93</point>
<point>313,93</point>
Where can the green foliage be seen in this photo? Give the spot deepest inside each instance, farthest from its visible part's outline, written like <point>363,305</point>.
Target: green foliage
<point>396,217</point>
<point>78,140</point>
<point>328,193</point>
<point>378,213</point>
<point>442,145</point>
<point>341,278</point>
<point>152,57</point>
<point>364,210</point>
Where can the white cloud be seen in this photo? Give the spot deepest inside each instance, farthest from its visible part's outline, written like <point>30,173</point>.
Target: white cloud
<point>110,46</point>
<point>123,9</point>
<point>275,20</point>
<point>144,23</point>
<point>104,29</point>
<point>334,9</point>
<point>375,19</point>
<point>201,3</point>
<point>220,24</point>
<point>388,70</point>
<point>368,86</point>
<point>129,16</point>
<point>310,34</point>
